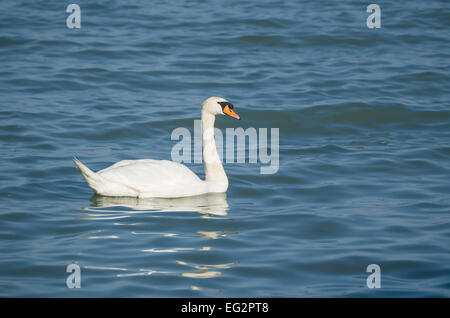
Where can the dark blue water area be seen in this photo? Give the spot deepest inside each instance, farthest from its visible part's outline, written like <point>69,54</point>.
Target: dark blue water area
<point>363,177</point>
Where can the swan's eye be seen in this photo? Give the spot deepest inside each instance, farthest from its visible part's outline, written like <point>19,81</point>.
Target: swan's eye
<point>225,104</point>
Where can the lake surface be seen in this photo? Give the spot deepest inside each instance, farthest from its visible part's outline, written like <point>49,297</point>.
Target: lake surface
<point>364,154</point>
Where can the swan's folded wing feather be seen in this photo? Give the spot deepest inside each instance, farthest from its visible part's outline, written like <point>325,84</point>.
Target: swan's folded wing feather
<point>117,165</point>
<point>154,177</point>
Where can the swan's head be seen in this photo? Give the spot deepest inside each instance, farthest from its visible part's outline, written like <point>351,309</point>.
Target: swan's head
<point>219,106</point>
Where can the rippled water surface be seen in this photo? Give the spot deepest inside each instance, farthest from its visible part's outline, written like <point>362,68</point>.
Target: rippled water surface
<point>363,117</point>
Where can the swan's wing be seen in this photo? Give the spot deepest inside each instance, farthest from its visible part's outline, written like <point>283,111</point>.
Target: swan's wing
<point>118,164</point>
<point>157,178</point>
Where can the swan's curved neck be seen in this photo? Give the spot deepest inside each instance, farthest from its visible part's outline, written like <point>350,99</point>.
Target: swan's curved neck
<point>214,171</point>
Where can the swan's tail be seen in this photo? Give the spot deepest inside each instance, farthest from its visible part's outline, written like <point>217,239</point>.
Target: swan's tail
<point>93,180</point>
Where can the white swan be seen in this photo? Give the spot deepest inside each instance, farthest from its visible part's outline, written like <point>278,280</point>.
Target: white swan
<point>148,178</point>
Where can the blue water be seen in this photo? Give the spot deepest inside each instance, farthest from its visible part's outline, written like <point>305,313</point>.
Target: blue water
<point>363,178</point>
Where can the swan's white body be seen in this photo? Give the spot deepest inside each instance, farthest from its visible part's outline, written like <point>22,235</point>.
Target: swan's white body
<point>148,178</point>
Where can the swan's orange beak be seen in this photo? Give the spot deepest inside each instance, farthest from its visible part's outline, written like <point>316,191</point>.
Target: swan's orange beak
<point>228,111</point>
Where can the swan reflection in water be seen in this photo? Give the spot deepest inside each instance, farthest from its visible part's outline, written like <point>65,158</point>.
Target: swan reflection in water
<point>207,204</point>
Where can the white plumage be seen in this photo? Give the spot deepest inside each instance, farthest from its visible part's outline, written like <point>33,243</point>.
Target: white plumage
<point>148,178</point>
